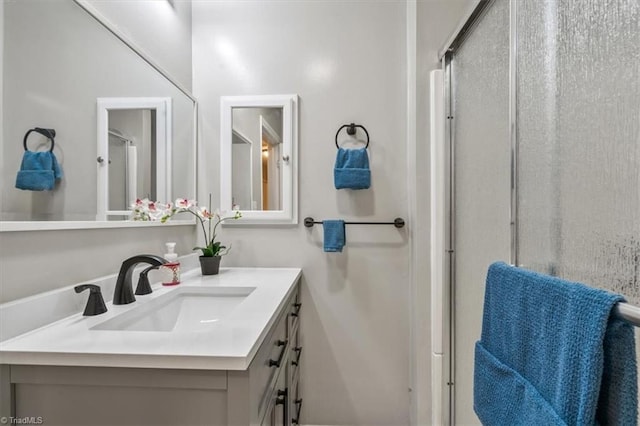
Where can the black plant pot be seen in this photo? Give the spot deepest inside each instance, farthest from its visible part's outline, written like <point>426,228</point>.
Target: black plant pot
<point>210,265</point>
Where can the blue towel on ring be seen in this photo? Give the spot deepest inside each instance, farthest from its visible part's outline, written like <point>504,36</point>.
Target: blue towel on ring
<point>334,235</point>
<point>38,171</point>
<point>351,170</point>
<point>552,354</point>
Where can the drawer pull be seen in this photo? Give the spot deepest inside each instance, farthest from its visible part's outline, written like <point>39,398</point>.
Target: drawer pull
<point>282,397</point>
<point>274,363</point>
<point>296,419</point>
<point>299,351</point>
<point>297,307</point>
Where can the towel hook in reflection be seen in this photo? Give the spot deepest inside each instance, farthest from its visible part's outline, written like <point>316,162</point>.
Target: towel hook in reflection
<point>351,130</point>
<point>48,133</point>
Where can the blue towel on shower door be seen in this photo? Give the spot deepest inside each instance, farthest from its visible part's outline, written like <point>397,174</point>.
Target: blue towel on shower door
<point>552,354</point>
<point>334,235</point>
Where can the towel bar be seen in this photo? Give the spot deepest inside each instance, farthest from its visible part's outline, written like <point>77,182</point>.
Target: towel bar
<point>397,222</point>
<point>628,313</point>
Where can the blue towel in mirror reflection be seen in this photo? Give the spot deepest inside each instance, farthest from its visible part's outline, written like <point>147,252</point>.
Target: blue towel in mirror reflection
<point>334,235</point>
<point>38,171</point>
<point>351,170</point>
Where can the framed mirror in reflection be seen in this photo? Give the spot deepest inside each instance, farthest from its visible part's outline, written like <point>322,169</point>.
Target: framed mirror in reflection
<point>258,158</point>
<point>59,58</point>
<point>134,149</point>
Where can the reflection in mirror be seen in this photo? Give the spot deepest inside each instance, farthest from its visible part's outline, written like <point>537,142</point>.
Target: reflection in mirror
<point>258,147</point>
<point>256,159</point>
<point>134,149</point>
<point>57,60</point>
<point>131,162</point>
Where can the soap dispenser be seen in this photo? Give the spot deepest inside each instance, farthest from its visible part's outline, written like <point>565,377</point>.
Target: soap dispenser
<point>170,271</point>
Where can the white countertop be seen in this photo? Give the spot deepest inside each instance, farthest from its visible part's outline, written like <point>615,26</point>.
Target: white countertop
<point>230,343</point>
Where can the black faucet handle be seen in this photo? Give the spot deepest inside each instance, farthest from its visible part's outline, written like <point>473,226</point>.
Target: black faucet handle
<point>143,281</point>
<point>95,303</point>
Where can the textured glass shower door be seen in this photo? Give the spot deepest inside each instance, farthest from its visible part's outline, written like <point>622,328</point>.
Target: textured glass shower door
<point>481,223</point>
<point>577,180</point>
<point>579,141</point>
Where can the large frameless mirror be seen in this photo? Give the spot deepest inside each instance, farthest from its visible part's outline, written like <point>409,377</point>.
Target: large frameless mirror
<point>60,60</point>
<point>258,158</point>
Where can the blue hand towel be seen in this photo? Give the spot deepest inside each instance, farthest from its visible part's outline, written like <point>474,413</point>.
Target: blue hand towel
<point>38,171</point>
<point>551,353</point>
<point>334,235</point>
<point>352,169</point>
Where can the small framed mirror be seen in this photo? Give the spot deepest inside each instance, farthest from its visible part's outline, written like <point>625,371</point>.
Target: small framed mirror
<point>258,154</point>
<point>134,149</point>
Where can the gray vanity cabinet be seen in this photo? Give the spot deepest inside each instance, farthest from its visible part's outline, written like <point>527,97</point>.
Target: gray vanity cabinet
<point>285,403</point>
<point>294,396</point>
<point>263,395</point>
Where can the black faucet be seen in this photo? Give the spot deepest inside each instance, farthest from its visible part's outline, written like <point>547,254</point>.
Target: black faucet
<point>124,291</point>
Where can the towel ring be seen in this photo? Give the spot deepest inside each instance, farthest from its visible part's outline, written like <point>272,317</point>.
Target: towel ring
<point>351,130</point>
<point>48,133</point>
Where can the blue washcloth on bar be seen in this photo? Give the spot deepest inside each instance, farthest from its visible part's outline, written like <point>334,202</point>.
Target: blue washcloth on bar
<point>38,171</point>
<point>552,354</point>
<point>351,170</point>
<point>334,235</point>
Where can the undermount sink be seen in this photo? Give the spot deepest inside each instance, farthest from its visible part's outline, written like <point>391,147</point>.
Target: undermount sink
<point>184,309</point>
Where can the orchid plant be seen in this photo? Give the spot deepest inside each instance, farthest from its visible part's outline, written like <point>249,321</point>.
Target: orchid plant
<point>147,210</point>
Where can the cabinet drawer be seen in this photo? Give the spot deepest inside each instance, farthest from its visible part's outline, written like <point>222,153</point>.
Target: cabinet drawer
<point>295,354</point>
<point>276,404</point>
<point>268,362</point>
<point>294,310</point>
<point>295,404</point>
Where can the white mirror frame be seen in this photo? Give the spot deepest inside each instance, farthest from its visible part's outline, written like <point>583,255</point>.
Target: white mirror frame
<point>289,104</point>
<point>162,107</point>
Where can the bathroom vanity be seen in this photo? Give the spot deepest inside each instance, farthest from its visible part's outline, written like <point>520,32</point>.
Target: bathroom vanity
<point>214,350</point>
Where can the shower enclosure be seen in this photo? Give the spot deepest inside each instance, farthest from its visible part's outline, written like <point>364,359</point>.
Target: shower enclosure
<point>542,131</point>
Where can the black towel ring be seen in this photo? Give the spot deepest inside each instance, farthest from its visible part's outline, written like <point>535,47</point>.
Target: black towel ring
<point>48,133</point>
<point>351,130</point>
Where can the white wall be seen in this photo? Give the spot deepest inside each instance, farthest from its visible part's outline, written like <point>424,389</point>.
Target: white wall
<point>346,60</point>
<point>162,29</point>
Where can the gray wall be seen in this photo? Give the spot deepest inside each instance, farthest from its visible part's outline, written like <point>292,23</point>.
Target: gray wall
<point>346,61</point>
<point>162,29</point>
<point>32,262</point>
